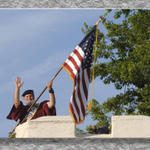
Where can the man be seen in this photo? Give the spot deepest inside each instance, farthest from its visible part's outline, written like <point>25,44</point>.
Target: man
<point>19,110</point>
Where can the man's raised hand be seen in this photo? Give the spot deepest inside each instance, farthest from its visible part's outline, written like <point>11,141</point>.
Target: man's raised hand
<point>18,82</point>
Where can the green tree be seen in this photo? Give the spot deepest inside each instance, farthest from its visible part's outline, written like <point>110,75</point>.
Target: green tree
<point>123,59</point>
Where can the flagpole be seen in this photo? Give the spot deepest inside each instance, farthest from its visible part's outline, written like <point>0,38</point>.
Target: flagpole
<point>101,18</point>
<point>55,75</point>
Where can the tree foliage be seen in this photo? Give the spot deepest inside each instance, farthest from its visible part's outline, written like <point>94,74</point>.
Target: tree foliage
<point>123,59</point>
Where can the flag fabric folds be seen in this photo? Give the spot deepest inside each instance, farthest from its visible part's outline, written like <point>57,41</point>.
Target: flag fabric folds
<point>78,66</point>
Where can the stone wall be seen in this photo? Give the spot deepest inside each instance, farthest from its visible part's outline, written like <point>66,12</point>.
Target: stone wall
<point>47,127</point>
<point>63,127</point>
<point>131,126</point>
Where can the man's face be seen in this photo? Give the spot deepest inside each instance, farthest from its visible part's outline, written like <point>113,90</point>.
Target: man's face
<point>28,98</point>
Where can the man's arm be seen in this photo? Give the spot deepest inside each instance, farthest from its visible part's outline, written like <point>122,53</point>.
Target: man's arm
<point>52,101</point>
<point>17,91</point>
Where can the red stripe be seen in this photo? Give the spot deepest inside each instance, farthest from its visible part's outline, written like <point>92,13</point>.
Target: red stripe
<point>70,70</point>
<point>74,116</point>
<point>75,104</point>
<point>78,54</point>
<point>84,86</point>
<point>74,62</point>
<point>88,72</point>
<point>80,98</point>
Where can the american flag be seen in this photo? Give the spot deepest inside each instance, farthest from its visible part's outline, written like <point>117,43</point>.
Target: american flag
<point>78,66</point>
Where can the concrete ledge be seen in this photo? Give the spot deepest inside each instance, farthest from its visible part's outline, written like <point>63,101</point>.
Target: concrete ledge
<point>130,117</point>
<point>64,127</point>
<point>131,126</point>
<point>47,127</point>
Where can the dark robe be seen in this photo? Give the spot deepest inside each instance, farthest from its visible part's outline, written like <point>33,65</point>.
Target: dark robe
<point>21,110</point>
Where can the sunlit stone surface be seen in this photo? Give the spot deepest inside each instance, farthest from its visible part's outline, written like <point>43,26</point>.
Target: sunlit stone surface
<point>47,127</point>
<point>64,127</point>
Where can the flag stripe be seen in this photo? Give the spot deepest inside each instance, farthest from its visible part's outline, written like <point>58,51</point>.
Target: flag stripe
<point>76,98</point>
<point>71,65</point>
<point>80,51</point>
<point>69,70</point>
<point>76,58</point>
<point>74,62</point>
<point>82,91</point>
<point>79,95</point>
<point>88,73</point>
<point>85,87</point>
<point>87,77</point>
<point>74,107</point>
<point>72,112</point>
<point>78,55</point>
<point>75,101</point>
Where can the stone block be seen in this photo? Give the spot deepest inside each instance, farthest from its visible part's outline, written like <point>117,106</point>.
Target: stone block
<point>47,127</point>
<point>130,126</point>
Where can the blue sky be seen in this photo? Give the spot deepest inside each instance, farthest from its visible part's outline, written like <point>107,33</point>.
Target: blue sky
<point>33,45</point>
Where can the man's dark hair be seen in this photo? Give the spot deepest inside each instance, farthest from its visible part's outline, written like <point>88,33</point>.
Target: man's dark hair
<point>28,92</point>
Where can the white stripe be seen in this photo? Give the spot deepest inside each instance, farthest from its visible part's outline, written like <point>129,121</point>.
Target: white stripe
<point>78,102</point>
<point>74,109</point>
<point>75,57</point>
<point>78,48</point>
<point>82,91</point>
<point>71,66</point>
